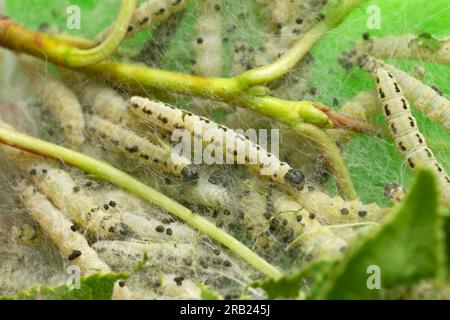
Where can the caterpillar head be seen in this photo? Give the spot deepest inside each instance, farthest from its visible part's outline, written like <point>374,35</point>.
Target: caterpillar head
<point>295,178</point>
<point>190,174</point>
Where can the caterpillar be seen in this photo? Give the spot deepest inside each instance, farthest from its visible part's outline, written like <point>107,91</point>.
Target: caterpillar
<point>255,218</point>
<point>208,44</point>
<point>59,99</point>
<point>181,258</point>
<point>406,46</point>
<point>62,232</point>
<point>423,97</point>
<point>148,14</point>
<point>207,194</point>
<point>408,138</point>
<point>169,118</point>
<point>60,188</point>
<point>335,210</point>
<point>300,20</point>
<point>317,240</point>
<point>121,140</point>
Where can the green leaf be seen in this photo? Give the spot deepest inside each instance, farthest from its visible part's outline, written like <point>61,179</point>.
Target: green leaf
<point>288,286</point>
<point>207,293</point>
<point>94,287</point>
<point>428,41</point>
<point>406,249</point>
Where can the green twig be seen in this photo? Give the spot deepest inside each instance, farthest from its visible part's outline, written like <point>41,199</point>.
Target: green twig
<point>63,53</point>
<point>333,157</point>
<point>77,57</point>
<point>141,79</point>
<point>334,16</point>
<point>105,171</point>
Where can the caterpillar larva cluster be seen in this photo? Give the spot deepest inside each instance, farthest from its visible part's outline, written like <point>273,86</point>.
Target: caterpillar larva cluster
<point>60,188</point>
<point>208,42</point>
<point>318,241</point>
<point>172,286</point>
<point>101,99</point>
<point>335,210</point>
<point>59,99</point>
<point>102,220</point>
<point>148,14</point>
<point>180,258</point>
<point>408,138</point>
<point>117,139</point>
<point>62,232</point>
<point>169,118</point>
<point>423,97</point>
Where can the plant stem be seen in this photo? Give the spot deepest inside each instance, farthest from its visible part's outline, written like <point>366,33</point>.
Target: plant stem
<point>333,157</point>
<point>61,52</point>
<point>273,71</point>
<point>141,79</point>
<point>334,16</point>
<point>105,171</point>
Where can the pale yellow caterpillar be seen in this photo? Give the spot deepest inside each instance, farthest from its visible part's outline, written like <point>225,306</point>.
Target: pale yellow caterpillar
<point>59,99</point>
<point>408,138</point>
<point>256,214</point>
<point>181,258</point>
<point>101,99</point>
<point>169,118</point>
<point>208,194</point>
<point>335,210</point>
<point>423,97</point>
<point>118,139</point>
<point>60,188</point>
<point>318,241</point>
<point>208,42</point>
<point>103,220</point>
<point>62,232</point>
<point>407,46</point>
<point>148,14</point>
